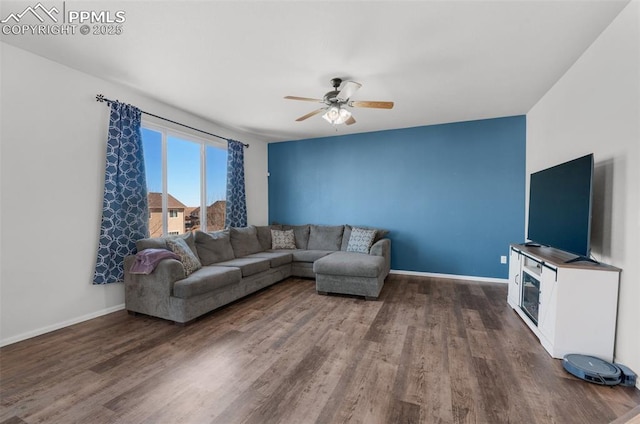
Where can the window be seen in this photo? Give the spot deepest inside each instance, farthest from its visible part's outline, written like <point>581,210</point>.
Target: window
<point>216,183</point>
<point>185,175</point>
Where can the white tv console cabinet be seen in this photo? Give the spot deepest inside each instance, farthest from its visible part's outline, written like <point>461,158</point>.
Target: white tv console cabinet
<point>570,307</point>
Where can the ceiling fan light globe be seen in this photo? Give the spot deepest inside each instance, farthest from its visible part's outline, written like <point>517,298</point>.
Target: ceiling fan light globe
<point>336,115</point>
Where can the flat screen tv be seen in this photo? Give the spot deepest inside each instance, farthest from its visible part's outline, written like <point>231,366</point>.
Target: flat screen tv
<point>560,203</point>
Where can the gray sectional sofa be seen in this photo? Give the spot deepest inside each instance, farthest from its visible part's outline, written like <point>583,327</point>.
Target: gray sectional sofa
<point>240,261</point>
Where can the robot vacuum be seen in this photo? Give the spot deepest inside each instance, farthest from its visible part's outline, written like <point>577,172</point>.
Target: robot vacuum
<point>628,377</point>
<point>592,369</point>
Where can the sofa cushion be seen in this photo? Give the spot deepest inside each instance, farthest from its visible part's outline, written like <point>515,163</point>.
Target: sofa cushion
<point>264,234</point>
<point>244,241</point>
<point>214,247</point>
<point>206,279</point>
<point>277,258</point>
<point>325,237</point>
<point>283,239</point>
<point>301,234</point>
<point>360,240</point>
<point>350,264</point>
<point>151,243</point>
<point>189,260</point>
<point>380,234</point>
<point>161,242</point>
<point>248,266</point>
<point>303,255</point>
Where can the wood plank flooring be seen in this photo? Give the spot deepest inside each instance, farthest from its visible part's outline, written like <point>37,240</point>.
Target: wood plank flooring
<point>428,351</point>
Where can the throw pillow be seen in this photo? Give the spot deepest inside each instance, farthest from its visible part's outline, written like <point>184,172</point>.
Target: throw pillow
<point>283,239</point>
<point>361,240</point>
<point>380,234</point>
<point>190,262</point>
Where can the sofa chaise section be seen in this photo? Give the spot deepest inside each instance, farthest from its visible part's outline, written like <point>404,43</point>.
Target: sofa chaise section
<point>353,273</point>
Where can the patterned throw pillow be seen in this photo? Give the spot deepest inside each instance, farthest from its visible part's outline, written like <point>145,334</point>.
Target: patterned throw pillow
<point>283,239</point>
<point>361,240</point>
<point>190,262</point>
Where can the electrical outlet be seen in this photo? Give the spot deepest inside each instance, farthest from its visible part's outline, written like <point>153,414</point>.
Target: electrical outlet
<point>503,259</point>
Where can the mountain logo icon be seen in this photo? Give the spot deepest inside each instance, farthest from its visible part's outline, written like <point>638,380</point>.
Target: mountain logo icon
<point>38,11</point>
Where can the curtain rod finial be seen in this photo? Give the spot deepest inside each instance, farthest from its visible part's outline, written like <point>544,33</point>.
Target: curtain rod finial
<point>100,98</point>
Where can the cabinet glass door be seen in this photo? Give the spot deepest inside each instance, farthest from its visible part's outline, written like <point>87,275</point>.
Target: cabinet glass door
<point>530,296</point>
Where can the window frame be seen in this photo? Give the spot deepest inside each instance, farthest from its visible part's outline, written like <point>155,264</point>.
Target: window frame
<point>204,142</point>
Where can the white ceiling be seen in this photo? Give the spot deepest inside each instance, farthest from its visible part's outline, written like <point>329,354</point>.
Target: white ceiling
<point>232,62</point>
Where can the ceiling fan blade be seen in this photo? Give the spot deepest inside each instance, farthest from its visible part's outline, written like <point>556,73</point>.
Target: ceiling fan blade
<point>347,91</point>
<point>350,121</point>
<point>376,105</point>
<point>305,99</point>
<point>310,114</point>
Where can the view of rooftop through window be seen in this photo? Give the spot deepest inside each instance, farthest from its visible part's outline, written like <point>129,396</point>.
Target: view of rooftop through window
<point>183,168</point>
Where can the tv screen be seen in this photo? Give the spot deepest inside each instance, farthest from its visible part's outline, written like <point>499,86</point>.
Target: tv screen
<point>560,206</point>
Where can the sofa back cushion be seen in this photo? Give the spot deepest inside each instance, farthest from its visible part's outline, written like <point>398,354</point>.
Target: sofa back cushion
<point>301,234</point>
<point>325,237</point>
<point>161,242</point>
<point>214,247</point>
<point>264,235</point>
<point>244,241</point>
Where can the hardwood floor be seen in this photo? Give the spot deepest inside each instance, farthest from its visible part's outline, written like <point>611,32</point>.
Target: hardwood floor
<point>428,351</point>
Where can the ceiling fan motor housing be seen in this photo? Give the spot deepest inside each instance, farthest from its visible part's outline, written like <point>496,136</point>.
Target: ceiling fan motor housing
<point>331,97</point>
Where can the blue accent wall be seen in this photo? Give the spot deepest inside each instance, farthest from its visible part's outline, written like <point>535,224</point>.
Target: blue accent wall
<point>451,195</point>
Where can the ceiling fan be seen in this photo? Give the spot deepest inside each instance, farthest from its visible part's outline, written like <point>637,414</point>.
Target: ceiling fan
<point>337,100</point>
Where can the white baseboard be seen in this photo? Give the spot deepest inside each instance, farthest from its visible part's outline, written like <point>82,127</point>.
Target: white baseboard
<point>451,276</point>
<point>54,327</point>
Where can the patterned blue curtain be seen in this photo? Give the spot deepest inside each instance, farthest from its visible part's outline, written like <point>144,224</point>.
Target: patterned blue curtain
<point>125,210</point>
<point>236,209</point>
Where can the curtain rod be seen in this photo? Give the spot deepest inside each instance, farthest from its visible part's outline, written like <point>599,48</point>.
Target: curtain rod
<point>100,98</point>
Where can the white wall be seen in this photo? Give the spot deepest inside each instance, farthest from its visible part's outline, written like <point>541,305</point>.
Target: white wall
<point>595,107</point>
<point>53,136</point>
